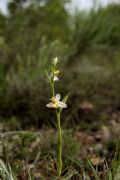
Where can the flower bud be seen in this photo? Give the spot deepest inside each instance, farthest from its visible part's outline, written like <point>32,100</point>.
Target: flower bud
<point>55,60</point>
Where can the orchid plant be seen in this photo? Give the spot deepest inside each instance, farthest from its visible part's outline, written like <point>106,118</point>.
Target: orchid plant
<point>58,105</point>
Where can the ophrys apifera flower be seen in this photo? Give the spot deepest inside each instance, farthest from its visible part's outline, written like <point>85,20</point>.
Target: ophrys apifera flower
<point>56,103</point>
<point>55,75</point>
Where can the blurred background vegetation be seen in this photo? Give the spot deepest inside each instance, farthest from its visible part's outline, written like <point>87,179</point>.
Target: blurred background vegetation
<point>88,46</point>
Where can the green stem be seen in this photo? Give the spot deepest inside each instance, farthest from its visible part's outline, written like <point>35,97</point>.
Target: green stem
<point>52,81</point>
<point>53,88</point>
<point>59,150</point>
